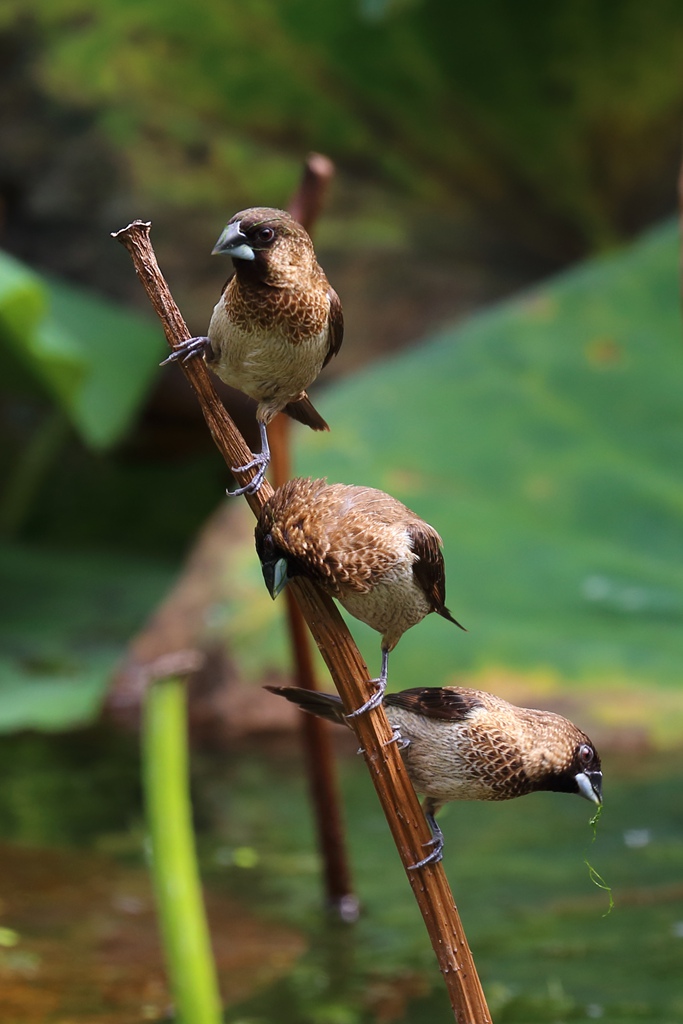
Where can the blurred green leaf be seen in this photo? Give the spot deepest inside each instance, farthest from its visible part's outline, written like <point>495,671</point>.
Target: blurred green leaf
<point>94,358</point>
<point>65,619</point>
<point>544,440</point>
<point>560,121</point>
<point>22,299</point>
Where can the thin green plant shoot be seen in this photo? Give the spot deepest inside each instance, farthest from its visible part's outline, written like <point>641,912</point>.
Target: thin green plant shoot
<point>595,877</point>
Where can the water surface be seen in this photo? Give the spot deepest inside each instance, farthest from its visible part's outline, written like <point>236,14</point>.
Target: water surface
<point>80,938</point>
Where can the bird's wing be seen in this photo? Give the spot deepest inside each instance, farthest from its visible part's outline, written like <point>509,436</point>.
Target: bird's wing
<point>336,335</point>
<point>449,703</point>
<point>428,568</point>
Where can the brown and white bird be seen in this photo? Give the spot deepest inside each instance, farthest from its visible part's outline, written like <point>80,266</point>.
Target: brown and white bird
<point>277,323</point>
<point>380,560</point>
<point>461,744</point>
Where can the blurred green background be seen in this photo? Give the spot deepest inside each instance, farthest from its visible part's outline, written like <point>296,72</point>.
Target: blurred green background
<point>501,231</point>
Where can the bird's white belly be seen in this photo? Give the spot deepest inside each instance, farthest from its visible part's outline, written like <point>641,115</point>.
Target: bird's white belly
<point>441,758</point>
<point>392,606</point>
<point>265,366</point>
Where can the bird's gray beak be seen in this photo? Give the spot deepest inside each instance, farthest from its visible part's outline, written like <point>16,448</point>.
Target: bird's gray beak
<point>275,575</point>
<point>590,786</point>
<point>233,243</point>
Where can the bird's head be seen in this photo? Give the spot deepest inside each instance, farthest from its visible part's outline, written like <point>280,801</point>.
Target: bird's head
<point>287,540</point>
<point>274,565</point>
<point>588,772</point>
<point>576,767</point>
<point>267,244</point>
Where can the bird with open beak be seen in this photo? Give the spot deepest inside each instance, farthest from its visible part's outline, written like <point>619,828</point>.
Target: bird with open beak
<point>276,325</point>
<point>363,547</point>
<point>461,744</point>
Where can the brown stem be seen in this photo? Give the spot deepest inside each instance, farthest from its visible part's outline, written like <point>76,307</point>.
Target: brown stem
<point>322,778</point>
<point>349,672</point>
<point>310,196</point>
<point>315,733</point>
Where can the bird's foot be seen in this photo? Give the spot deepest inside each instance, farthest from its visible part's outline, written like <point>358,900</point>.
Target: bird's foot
<point>372,702</point>
<point>187,350</point>
<point>396,738</point>
<point>402,741</point>
<point>380,683</point>
<point>436,841</point>
<point>260,462</point>
<point>432,858</point>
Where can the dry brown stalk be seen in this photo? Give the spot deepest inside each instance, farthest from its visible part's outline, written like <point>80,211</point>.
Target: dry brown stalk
<point>347,668</point>
<point>305,207</point>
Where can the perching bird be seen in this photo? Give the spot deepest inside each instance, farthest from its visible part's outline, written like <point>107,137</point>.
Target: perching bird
<point>380,560</point>
<point>277,323</point>
<point>460,744</point>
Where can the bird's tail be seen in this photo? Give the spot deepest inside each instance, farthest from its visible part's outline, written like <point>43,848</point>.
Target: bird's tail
<point>444,612</point>
<point>303,411</point>
<point>324,705</point>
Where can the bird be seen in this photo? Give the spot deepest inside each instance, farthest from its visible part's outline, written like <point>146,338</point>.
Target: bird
<point>380,560</point>
<point>277,323</point>
<point>463,744</point>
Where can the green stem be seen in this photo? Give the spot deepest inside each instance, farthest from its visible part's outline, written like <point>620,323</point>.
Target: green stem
<point>184,929</point>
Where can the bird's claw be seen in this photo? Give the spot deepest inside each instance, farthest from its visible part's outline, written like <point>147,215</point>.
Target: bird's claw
<point>432,858</point>
<point>372,702</point>
<point>436,841</point>
<point>402,741</point>
<point>380,683</point>
<point>261,461</point>
<point>187,350</point>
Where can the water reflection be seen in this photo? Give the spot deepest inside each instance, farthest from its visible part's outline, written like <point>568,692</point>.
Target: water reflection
<point>74,890</point>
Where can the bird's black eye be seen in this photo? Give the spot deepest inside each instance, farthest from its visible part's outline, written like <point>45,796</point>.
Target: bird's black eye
<point>265,234</point>
<point>268,545</point>
<point>585,753</point>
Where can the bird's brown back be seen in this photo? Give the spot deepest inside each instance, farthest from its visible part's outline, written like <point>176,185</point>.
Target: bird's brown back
<point>345,536</point>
